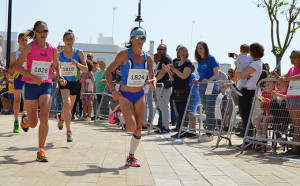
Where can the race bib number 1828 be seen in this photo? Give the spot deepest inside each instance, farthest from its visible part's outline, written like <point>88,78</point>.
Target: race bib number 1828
<point>40,69</point>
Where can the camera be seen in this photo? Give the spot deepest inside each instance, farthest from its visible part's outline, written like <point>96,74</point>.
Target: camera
<point>231,55</point>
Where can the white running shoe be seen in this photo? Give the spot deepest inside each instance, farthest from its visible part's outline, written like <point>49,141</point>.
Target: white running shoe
<point>205,138</point>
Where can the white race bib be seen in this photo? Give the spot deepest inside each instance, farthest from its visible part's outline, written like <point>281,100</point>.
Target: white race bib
<point>137,77</point>
<point>68,69</point>
<point>294,88</point>
<point>40,69</point>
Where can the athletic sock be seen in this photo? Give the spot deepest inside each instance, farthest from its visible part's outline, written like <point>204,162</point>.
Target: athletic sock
<point>41,149</point>
<point>69,131</point>
<point>135,140</point>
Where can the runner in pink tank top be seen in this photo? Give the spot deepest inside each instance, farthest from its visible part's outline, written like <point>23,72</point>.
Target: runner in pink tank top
<point>37,54</point>
<point>38,82</point>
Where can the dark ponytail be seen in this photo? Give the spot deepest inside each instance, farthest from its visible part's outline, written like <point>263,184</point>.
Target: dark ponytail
<point>29,33</point>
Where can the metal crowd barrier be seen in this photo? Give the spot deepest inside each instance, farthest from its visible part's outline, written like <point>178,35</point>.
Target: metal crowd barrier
<point>155,115</point>
<point>270,122</point>
<point>213,111</point>
<point>107,105</point>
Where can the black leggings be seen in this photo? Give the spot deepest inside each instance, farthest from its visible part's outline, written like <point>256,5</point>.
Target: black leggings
<point>77,101</point>
<point>245,103</point>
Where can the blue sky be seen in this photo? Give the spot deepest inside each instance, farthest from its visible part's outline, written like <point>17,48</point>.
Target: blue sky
<point>224,25</point>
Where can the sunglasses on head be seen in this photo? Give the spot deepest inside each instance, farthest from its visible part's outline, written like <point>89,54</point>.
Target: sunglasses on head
<point>142,37</point>
<point>161,49</point>
<point>42,31</point>
<point>89,56</point>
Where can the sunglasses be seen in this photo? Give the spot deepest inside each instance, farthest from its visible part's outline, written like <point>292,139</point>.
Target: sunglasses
<point>142,37</point>
<point>24,39</point>
<point>89,56</point>
<point>230,72</point>
<point>161,49</point>
<point>42,31</point>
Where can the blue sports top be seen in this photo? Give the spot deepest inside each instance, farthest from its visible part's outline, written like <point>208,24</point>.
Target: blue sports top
<point>131,65</point>
<point>63,59</point>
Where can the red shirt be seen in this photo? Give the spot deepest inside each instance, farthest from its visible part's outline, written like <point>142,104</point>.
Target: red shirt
<point>266,105</point>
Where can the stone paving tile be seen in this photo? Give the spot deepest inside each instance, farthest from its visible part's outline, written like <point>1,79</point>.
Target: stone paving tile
<point>97,157</point>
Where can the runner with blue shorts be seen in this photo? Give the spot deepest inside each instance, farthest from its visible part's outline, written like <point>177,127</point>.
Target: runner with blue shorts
<point>135,66</point>
<point>18,83</point>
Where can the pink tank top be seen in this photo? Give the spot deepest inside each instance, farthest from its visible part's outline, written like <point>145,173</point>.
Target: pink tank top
<point>37,54</point>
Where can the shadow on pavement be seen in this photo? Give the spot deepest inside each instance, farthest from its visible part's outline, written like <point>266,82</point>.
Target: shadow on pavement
<point>93,169</point>
<point>11,161</point>
<point>6,135</point>
<point>48,146</point>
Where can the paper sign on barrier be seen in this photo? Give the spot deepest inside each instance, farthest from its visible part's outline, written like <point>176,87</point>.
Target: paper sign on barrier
<point>209,88</point>
<point>294,88</point>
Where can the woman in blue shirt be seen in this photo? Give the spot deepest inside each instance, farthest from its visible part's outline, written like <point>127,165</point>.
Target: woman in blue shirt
<point>208,71</point>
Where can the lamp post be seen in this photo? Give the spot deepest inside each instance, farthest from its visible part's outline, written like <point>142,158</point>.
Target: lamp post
<point>8,43</point>
<point>193,22</point>
<point>138,17</point>
<point>113,22</point>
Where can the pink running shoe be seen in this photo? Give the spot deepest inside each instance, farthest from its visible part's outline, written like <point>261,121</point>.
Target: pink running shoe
<point>132,161</point>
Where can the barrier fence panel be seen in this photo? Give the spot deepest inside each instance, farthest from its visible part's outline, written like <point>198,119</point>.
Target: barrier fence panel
<point>275,117</point>
<point>214,109</point>
<point>106,105</point>
<point>155,115</point>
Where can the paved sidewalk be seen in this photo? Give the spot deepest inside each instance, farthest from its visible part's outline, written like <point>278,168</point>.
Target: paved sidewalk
<point>97,157</point>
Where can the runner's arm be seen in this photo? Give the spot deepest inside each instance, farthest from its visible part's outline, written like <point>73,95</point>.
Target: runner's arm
<point>18,66</point>
<point>83,66</point>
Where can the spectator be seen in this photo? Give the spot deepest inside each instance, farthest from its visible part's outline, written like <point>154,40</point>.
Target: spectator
<point>208,70</point>
<point>230,74</point>
<point>87,87</point>
<point>254,71</point>
<point>279,111</point>
<point>261,121</point>
<point>293,105</point>
<point>164,93</point>
<point>180,75</point>
<point>242,62</point>
<point>194,102</point>
<point>156,61</point>
<point>100,75</point>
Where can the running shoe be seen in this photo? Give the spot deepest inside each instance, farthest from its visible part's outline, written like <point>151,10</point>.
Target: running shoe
<point>41,156</point>
<point>132,161</point>
<point>60,123</point>
<point>69,136</point>
<point>24,126</point>
<point>16,127</point>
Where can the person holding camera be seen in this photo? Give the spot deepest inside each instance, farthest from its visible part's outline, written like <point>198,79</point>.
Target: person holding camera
<point>164,93</point>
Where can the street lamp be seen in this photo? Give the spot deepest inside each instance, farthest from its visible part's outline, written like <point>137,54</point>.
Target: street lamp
<point>138,17</point>
<point>8,44</point>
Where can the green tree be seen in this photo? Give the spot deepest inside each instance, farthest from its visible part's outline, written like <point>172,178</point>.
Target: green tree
<point>290,10</point>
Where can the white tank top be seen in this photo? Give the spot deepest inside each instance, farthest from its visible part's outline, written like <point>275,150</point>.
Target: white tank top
<point>18,53</point>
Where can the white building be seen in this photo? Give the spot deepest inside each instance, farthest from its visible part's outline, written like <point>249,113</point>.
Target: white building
<point>14,44</point>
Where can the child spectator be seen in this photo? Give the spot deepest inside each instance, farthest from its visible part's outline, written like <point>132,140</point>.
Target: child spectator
<point>279,111</point>
<point>261,121</point>
<point>87,86</point>
<point>242,62</point>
